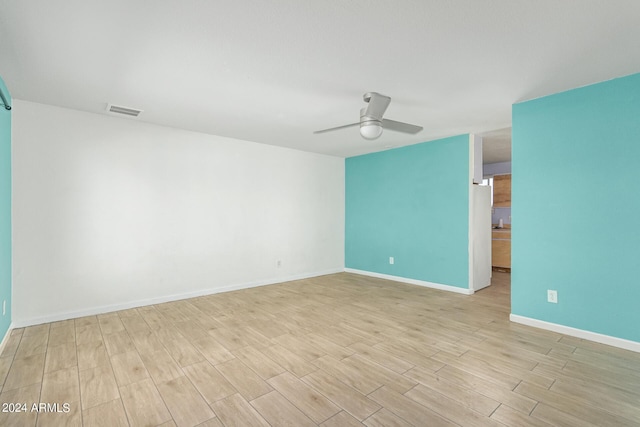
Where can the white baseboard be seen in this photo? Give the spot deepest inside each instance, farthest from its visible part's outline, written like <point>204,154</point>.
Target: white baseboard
<point>578,333</point>
<point>20,323</point>
<point>6,337</point>
<point>449,288</point>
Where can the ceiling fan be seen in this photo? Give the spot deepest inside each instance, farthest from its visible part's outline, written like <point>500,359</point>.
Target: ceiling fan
<point>371,121</point>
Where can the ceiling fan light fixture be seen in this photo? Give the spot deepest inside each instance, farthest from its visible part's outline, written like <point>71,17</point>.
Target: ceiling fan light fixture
<point>371,129</point>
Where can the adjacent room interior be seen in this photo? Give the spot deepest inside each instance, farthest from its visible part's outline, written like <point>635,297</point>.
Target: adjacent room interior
<point>209,216</point>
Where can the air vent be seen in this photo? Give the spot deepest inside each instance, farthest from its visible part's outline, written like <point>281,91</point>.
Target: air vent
<point>117,109</point>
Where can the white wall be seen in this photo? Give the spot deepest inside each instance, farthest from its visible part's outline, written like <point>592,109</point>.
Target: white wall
<point>111,213</point>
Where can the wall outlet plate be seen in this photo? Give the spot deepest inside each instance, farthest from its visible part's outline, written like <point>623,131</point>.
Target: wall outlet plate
<point>391,260</point>
<point>552,296</point>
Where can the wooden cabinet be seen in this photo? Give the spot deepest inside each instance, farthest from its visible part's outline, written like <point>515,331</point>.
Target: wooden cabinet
<point>501,248</point>
<point>502,191</point>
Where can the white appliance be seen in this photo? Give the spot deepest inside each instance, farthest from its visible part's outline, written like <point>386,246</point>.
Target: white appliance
<point>480,237</point>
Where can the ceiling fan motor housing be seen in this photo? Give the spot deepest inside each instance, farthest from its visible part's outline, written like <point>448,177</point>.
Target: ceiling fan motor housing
<point>370,127</point>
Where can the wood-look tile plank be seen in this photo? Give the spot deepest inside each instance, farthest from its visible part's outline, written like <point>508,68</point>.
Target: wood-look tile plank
<point>88,334</point>
<point>23,395</point>
<point>191,330</point>
<point>383,358</point>
<point>107,414</point>
<point>411,354</point>
<point>511,417</point>
<point>213,351</point>
<point>408,409</point>
<point>268,329</point>
<point>128,368</point>
<point>60,357</point>
<point>449,408</point>
<point>209,381</point>
<point>289,360</point>
<point>342,419</point>
<point>85,321</point>
<point>496,347</point>
<point>591,386</point>
<point>278,411</point>
<point>299,346</point>
<point>180,349</point>
<point>17,332</point>
<point>355,378</point>
<point>64,333</point>
<point>58,415</point>
<point>480,369</point>
<point>5,365</point>
<point>594,347</point>
<point>110,323</point>
<point>146,341</point>
<point>622,377</point>
<point>329,347</point>
<point>379,373</point>
<point>153,318</point>
<point>617,401</point>
<point>127,313</point>
<point>161,366</point>
<point>576,407</point>
<point>42,330</point>
<point>61,386</point>
<point>24,372</point>
<point>360,335</point>
<point>489,363</point>
<point>143,404</point>
<point>118,342</point>
<point>238,337</point>
<point>62,323</point>
<point>134,323</point>
<point>385,418</point>
<point>247,382</point>
<point>32,344</point>
<point>92,355</point>
<point>185,404</point>
<point>11,345</point>
<point>482,386</point>
<point>235,411</point>
<point>340,336</point>
<point>464,396</point>
<point>310,401</point>
<point>213,422</point>
<point>258,362</point>
<point>341,394</point>
<point>557,417</point>
<point>97,385</point>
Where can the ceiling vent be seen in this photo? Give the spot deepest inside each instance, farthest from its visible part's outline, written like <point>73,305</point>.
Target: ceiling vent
<point>118,109</point>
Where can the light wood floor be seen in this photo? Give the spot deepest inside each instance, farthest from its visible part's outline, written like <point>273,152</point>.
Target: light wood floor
<point>338,350</point>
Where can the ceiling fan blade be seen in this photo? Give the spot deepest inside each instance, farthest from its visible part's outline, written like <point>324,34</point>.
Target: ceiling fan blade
<point>377,105</point>
<point>400,126</point>
<point>337,127</point>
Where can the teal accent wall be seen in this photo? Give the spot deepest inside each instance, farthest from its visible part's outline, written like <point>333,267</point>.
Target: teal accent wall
<point>5,212</point>
<point>576,208</point>
<point>411,203</point>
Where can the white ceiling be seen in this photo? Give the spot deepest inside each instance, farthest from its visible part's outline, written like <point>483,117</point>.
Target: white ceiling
<point>496,146</point>
<point>275,71</point>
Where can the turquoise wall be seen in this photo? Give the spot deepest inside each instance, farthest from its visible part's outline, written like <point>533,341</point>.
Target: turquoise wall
<point>411,203</point>
<point>576,208</point>
<point>5,212</point>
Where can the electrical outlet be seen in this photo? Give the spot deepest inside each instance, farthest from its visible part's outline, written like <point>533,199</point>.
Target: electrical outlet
<point>392,260</point>
<point>4,307</point>
<point>552,296</point>
<point>279,264</point>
